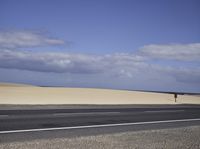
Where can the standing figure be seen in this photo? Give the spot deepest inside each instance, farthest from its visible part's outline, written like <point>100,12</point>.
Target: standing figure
<point>175,96</point>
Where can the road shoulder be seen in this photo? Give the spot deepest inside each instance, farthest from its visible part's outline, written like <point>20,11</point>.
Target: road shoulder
<point>183,138</point>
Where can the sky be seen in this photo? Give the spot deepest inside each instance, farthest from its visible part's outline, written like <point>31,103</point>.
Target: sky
<point>118,44</point>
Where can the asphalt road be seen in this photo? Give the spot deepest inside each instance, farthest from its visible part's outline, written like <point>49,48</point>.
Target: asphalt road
<point>77,122</point>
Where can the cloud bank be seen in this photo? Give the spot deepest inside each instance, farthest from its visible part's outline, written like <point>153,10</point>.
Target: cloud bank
<point>26,39</point>
<point>116,65</point>
<point>66,62</point>
<point>182,52</point>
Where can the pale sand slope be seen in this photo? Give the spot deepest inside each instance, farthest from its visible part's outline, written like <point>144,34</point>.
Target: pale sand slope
<point>12,94</point>
<point>14,85</point>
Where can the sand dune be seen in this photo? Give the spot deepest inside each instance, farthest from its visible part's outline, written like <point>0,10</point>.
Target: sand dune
<point>14,85</point>
<point>13,94</point>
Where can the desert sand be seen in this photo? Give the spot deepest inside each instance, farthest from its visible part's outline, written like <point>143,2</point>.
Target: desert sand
<point>25,94</point>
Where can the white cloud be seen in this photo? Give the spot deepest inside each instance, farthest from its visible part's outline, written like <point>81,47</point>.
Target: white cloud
<point>185,52</point>
<point>121,65</point>
<point>21,39</point>
<point>186,75</point>
<point>68,62</point>
<point>180,74</point>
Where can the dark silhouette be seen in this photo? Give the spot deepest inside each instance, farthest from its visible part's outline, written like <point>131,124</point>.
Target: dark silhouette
<point>175,96</point>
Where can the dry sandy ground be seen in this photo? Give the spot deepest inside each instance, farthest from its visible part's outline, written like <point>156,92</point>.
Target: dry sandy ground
<point>22,94</point>
<point>176,138</point>
<point>14,85</point>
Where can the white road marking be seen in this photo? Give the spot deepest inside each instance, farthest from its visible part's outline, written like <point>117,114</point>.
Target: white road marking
<point>85,113</point>
<point>164,111</point>
<point>4,115</point>
<point>61,114</point>
<point>98,126</point>
<point>96,113</point>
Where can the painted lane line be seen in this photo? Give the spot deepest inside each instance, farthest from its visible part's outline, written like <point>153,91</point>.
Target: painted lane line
<point>4,115</point>
<point>61,114</point>
<point>164,111</point>
<point>98,126</point>
<point>85,113</point>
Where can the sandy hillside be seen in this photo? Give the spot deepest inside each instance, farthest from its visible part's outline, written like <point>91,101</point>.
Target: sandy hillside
<point>22,94</point>
<point>14,85</point>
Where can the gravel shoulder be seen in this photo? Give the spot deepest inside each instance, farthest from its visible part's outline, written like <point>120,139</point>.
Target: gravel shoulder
<point>174,138</point>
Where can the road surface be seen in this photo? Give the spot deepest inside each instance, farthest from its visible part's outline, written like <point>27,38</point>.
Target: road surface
<point>42,123</point>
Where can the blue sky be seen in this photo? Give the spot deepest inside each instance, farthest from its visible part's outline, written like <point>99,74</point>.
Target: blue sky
<point>126,44</point>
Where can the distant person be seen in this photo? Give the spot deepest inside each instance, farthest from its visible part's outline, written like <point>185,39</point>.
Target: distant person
<point>175,96</point>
